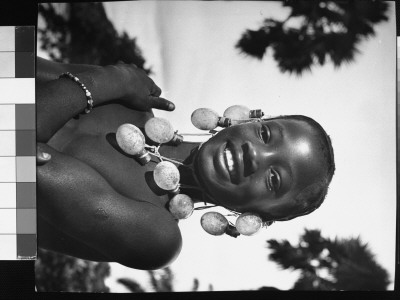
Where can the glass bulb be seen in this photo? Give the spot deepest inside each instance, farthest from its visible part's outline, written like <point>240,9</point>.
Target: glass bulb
<point>248,223</point>
<point>166,175</point>
<point>159,130</point>
<point>130,139</point>
<point>214,223</point>
<point>205,119</point>
<point>237,112</point>
<point>181,206</point>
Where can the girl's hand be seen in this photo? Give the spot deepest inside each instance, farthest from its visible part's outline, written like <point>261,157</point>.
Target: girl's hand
<point>138,90</point>
<point>60,99</point>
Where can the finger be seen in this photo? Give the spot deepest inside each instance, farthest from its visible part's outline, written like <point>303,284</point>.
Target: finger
<point>161,103</point>
<point>155,90</point>
<point>42,157</point>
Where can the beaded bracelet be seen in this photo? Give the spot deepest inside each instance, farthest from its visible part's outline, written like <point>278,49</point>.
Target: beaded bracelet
<point>88,95</point>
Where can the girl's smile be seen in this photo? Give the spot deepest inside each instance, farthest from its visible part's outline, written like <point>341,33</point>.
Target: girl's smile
<point>260,166</point>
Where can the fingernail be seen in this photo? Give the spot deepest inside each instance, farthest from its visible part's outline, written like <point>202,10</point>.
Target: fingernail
<point>171,106</point>
<point>46,156</point>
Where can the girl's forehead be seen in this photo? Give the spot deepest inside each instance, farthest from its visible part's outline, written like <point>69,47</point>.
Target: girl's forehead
<point>287,122</point>
<point>294,128</point>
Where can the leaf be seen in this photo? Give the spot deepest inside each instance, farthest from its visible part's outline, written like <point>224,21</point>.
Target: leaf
<point>131,285</point>
<point>254,43</point>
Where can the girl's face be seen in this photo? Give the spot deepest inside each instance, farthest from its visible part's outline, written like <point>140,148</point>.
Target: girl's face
<point>261,166</point>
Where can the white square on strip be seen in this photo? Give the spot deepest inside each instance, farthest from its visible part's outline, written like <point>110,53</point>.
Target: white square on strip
<point>7,169</point>
<point>7,38</point>
<point>7,143</point>
<point>7,115</point>
<point>8,192</point>
<point>8,249</point>
<point>12,93</point>
<point>8,221</point>
<point>7,63</point>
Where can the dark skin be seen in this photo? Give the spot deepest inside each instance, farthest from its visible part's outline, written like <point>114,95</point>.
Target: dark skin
<point>98,203</point>
<point>87,205</point>
<point>271,162</point>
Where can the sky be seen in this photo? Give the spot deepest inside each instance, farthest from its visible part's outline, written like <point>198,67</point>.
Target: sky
<point>189,46</point>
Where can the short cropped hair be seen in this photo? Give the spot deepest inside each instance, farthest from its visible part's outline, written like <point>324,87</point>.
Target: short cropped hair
<point>312,196</point>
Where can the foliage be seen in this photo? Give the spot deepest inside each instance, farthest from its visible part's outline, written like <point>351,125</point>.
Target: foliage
<point>81,33</point>
<point>325,264</point>
<point>161,281</point>
<point>325,29</point>
<point>131,285</point>
<point>55,272</point>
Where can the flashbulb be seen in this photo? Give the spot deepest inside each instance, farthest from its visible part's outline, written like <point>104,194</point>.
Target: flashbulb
<point>166,175</point>
<point>214,223</point>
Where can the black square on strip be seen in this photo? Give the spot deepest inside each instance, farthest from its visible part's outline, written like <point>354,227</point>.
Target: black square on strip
<point>24,39</point>
<point>25,142</point>
<point>26,245</point>
<point>26,195</point>
<point>24,65</point>
<point>25,116</point>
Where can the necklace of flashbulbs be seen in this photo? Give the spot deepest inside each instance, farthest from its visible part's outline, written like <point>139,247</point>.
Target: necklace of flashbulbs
<point>166,175</point>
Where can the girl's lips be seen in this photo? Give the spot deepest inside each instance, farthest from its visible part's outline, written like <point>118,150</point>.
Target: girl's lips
<point>231,162</point>
<point>219,164</point>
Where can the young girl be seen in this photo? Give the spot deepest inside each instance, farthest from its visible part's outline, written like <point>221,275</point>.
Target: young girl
<point>98,203</point>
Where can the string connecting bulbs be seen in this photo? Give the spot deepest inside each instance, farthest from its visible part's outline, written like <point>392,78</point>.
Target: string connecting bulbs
<point>166,175</point>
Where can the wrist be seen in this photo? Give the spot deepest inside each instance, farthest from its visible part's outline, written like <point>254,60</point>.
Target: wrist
<point>103,84</point>
<point>113,79</point>
<point>85,90</point>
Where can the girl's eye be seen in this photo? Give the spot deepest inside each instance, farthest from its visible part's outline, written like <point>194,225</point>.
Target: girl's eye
<point>265,133</point>
<point>273,180</point>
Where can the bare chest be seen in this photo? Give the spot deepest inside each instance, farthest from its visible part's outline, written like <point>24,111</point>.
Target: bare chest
<point>91,139</point>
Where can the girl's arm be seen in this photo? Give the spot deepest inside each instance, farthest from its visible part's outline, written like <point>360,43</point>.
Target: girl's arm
<point>79,202</point>
<point>60,99</point>
<point>48,70</point>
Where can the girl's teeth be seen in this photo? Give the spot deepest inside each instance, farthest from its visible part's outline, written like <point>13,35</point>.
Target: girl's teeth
<point>229,159</point>
<point>230,163</point>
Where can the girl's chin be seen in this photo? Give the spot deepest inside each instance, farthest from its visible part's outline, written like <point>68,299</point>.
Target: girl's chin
<point>226,200</point>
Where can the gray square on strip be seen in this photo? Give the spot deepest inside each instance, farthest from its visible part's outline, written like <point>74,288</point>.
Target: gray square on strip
<point>25,116</point>
<point>26,168</point>
<point>25,142</point>
<point>7,38</point>
<point>24,65</point>
<point>7,63</point>
<point>26,245</point>
<point>26,194</point>
<point>26,221</point>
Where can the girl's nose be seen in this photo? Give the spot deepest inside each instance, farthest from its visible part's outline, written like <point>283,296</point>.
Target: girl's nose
<point>249,158</point>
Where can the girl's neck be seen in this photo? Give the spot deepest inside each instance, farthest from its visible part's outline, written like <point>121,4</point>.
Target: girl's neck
<point>186,153</point>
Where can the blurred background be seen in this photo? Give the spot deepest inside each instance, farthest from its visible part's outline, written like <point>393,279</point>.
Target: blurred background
<point>332,61</point>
